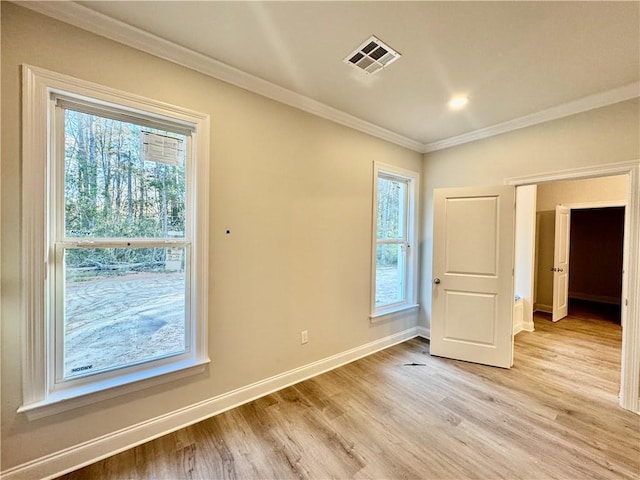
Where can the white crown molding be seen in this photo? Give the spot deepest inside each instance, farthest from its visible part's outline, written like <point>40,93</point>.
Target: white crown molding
<point>100,24</point>
<point>584,104</point>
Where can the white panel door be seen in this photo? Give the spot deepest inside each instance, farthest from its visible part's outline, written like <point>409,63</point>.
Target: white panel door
<point>473,251</point>
<point>561,263</point>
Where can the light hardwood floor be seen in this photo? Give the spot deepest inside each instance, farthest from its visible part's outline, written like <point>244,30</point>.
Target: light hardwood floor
<point>554,415</point>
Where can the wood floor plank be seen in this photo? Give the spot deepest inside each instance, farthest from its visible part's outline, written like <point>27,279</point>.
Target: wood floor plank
<point>401,413</point>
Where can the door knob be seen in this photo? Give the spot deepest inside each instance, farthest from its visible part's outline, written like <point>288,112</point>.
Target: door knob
<point>436,281</point>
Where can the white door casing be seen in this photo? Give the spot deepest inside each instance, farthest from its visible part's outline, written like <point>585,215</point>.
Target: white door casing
<point>472,284</point>
<point>525,250</point>
<point>561,263</point>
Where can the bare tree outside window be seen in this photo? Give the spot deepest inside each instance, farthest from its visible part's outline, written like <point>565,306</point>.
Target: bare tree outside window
<point>124,305</point>
<point>391,242</point>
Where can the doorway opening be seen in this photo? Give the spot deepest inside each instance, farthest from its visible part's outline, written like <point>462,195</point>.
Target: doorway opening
<point>596,257</point>
<point>591,237</point>
<point>630,281</point>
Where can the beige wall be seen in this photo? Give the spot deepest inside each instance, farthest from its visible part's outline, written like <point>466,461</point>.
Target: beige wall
<point>295,190</point>
<point>590,190</point>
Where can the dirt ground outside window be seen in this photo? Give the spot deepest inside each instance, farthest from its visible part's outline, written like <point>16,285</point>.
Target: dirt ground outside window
<point>120,320</point>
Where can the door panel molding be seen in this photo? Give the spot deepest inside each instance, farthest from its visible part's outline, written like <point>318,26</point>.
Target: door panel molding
<point>466,304</point>
<point>472,314</point>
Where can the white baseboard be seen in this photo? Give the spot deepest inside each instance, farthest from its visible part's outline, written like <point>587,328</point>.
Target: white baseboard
<point>517,328</point>
<point>528,326</point>
<point>541,307</point>
<point>424,332</point>
<point>83,454</point>
<point>523,327</point>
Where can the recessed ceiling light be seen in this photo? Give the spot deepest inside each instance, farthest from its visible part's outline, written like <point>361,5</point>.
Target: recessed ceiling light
<point>458,102</point>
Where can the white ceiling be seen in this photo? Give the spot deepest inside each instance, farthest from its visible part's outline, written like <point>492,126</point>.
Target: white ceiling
<point>513,59</point>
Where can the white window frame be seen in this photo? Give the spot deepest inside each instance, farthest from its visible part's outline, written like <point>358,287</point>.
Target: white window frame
<point>41,395</point>
<point>412,180</point>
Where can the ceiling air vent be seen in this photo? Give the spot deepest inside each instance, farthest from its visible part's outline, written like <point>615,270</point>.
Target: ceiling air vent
<point>372,55</point>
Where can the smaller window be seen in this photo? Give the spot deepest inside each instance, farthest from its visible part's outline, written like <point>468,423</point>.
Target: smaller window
<point>394,269</point>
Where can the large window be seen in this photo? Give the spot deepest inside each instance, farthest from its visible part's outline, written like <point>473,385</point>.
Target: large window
<point>116,186</point>
<point>121,240</point>
<point>394,256</point>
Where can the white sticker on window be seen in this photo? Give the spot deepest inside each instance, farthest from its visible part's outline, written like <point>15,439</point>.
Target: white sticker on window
<point>160,148</point>
<point>173,260</point>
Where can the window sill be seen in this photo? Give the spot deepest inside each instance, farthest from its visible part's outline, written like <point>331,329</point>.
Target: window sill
<point>67,399</point>
<point>382,314</point>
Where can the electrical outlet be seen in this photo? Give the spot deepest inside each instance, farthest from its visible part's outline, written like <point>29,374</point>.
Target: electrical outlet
<point>304,336</point>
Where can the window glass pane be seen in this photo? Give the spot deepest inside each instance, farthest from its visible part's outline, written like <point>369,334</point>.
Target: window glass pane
<point>122,306</point>
<point>122,180</point>
<point>390,274</point>
<point>392,196</point>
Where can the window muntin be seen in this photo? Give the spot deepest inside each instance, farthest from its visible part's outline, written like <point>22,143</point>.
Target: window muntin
<point>394,261</point>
